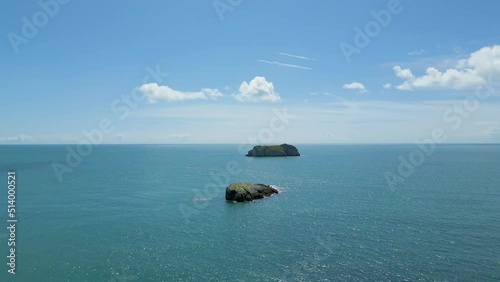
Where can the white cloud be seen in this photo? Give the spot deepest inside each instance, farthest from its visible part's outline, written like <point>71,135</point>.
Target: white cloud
<point>324,94</point>
<point>259,89</point>
<point>387,86</point>
<point>355,86</point>
<point>212,93</point>
<point>416,53</point>
<point>297,56</point>
<point>181,136</point>
<point>403,73</point>
<point>494,133</point>
<point>477,69</point>
<point>155,92</point>
<point>359,121</point>
<point>16,139</point>
<point>284,65</point>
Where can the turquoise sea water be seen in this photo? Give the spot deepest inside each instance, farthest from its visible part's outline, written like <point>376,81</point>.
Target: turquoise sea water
<point>157,213</point>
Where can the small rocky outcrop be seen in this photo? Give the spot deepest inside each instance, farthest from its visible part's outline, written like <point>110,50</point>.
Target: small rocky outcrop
<point>246,192</point>
<point>283,150</point>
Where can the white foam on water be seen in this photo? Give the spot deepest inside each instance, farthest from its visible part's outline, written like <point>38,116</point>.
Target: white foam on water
<point>202,199</point>
<point>279,188</point>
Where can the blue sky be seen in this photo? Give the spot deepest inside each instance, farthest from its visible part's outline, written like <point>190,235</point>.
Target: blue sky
<point>223,68</point>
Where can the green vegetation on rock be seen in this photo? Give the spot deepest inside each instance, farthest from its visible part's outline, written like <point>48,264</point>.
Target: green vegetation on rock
<point>240,186</point>
<point>283,150</point>
<point>246,192</point>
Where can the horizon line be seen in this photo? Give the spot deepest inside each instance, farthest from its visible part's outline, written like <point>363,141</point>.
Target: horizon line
<point>299,143</point>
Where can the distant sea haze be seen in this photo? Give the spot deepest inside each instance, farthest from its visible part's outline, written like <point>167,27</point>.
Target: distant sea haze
<point>155,213</point>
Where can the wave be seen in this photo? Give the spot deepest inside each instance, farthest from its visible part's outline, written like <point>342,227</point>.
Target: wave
<point>279,188</point>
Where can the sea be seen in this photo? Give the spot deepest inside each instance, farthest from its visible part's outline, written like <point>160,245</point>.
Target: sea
<point>344,213</point>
